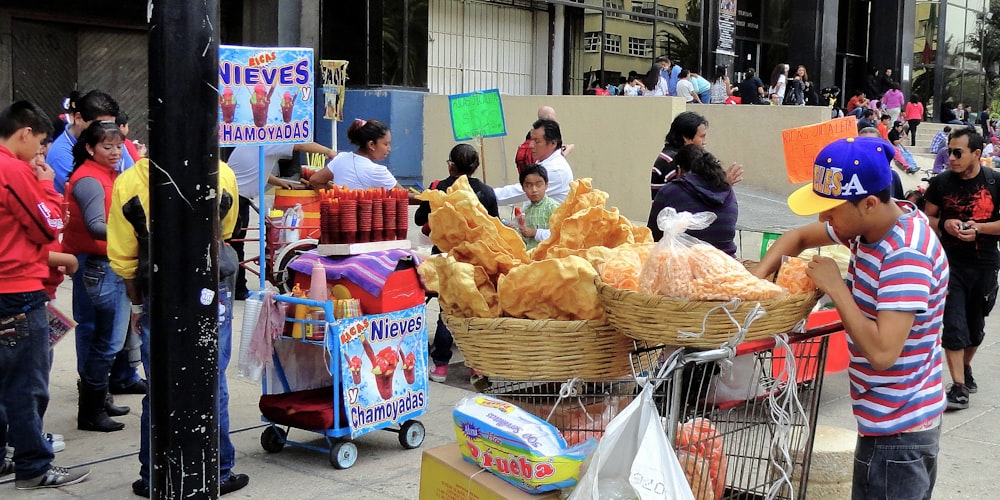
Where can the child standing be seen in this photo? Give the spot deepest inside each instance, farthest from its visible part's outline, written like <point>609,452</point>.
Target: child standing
<point>534,224</point>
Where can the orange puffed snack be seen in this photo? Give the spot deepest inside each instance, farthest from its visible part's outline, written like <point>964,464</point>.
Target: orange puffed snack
<point>703,272</point>
<point>559,289</point>
<point>792,276</point>
<point>622,266</point>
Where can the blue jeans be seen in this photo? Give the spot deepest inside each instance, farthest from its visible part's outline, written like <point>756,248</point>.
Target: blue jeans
<point>101,310</point>
<point>227,454</point>
<point>24,383</point>
<point>898,467</point>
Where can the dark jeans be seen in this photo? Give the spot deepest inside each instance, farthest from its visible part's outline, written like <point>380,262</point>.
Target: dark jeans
<point>101,310</point>
<point>240,232</point>
<point>227,454</point>
<point>898,467</point>
<point>441,349</point>
<point>24,383</point>
<point>967,306</point>
<point>913,131</point>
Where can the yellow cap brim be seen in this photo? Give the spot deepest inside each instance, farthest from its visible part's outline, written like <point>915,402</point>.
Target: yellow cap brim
<point>805,201</point>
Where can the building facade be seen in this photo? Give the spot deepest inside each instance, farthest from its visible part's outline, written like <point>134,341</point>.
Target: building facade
<point>522,47</point>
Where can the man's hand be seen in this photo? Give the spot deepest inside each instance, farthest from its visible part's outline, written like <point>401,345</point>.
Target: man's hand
<point>825,273</point>
<point>527,231</point>
<point>42,170</point>
<point>734,173</point>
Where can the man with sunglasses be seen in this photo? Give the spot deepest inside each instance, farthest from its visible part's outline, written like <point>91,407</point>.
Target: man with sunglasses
<point>962,206</point>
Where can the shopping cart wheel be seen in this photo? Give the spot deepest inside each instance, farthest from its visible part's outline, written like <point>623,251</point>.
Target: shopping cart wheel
<point>343,454</point>
<point>411,434</point>
<point>272,439</point>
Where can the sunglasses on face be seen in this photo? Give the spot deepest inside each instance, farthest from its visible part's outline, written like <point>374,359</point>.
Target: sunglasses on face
<point>957,153</point>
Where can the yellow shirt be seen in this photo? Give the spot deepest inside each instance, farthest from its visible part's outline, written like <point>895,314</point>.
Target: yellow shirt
<point>132,188</point>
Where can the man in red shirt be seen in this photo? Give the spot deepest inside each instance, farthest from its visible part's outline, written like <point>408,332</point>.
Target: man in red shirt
<point>858,101</point>
<point>30,212</point>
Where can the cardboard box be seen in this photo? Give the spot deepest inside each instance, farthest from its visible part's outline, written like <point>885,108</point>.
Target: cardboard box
<point>445,475</point>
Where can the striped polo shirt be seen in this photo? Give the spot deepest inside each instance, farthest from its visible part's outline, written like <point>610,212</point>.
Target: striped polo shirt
<point>904,271</point>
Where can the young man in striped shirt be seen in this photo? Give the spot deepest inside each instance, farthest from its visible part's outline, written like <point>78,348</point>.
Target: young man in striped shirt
<point>891,304</point>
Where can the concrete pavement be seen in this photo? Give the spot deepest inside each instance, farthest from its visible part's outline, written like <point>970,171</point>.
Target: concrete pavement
<point>970,444</point>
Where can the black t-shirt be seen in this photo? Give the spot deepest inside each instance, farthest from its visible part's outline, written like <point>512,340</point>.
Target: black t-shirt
<point>894,135</point>
<point>749,92</point>
<point>966,200</point>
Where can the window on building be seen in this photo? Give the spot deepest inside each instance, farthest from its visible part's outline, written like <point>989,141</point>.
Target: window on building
<point>615,4</point>
<point>613,43</point>
<point>642,47</point>
<point>592,41</point>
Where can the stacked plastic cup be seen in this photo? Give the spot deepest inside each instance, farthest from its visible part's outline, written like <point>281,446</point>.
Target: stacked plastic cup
<point>378,221</point>
<point>402,214</point>
<point>389,219</point>
<point>364,219</point>
<point>348,218</point>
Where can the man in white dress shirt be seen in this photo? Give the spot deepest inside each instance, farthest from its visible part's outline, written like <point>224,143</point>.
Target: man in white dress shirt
<point>547,151</point>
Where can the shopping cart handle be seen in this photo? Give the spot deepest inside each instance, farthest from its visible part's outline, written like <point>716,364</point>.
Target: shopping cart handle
<point>709,355</point>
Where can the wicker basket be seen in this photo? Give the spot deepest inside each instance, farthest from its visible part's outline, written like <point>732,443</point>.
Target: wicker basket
<point>524,349</point>
<point>659,319</point>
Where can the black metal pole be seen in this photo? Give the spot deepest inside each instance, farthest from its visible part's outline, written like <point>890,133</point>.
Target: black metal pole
<point>184,246</point>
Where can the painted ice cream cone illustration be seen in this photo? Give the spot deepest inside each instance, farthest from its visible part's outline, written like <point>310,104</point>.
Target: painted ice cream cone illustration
<point>354,366</point>
<point>286,107</point>
<point>409,363</point>
<point>259,102</point>
<point>228,104</point>
<point>385,367</point>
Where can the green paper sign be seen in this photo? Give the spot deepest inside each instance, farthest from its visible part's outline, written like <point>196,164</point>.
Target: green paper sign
<point>477,114</point>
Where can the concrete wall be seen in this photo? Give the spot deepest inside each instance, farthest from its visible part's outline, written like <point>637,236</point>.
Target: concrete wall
<point>617,140</point>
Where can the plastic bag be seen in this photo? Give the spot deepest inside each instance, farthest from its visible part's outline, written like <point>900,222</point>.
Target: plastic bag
<point>684,267</point>
<point>667,271</point>
<point>699,437</point>
<point>737,382</point>
<point>634,459</point>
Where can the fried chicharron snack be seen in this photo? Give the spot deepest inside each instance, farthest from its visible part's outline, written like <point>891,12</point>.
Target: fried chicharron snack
<point>560,289</point>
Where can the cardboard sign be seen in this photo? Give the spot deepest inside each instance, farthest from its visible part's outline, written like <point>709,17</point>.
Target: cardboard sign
<point>334,75</point>
<point>384,368</point>
<point>476,115</point>
<point>265,95</point>
<point>802,144</point>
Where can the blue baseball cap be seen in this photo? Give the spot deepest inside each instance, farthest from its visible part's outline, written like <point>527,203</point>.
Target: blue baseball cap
<point>845,170</point>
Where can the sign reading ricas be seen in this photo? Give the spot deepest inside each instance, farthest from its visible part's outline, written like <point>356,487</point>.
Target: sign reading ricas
<point>265,95</point>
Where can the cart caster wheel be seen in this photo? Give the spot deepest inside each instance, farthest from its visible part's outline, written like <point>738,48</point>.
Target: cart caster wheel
<point>343,454</point>
<point>411,434</point>
<point>272,439</point>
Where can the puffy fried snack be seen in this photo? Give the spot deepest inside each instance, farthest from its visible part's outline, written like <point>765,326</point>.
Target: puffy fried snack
<point>463,290</point>
<point>792,276</point>
<point>560,289</point>
<point>582,222</point>
<point>457,217</point>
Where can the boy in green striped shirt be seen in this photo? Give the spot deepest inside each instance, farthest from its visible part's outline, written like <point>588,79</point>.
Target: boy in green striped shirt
<point>534,223</point>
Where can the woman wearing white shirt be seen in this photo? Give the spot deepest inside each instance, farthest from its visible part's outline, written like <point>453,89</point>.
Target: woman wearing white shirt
<point>357,169</point>
<point>779,77</point>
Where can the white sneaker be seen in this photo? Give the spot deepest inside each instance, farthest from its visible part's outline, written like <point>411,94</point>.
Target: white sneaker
<point>55,441</point>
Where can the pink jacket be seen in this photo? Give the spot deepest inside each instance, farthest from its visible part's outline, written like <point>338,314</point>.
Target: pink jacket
<point>914,111</point>
<point>893,98</point>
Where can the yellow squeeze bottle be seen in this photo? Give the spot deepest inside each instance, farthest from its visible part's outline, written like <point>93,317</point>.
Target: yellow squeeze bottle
<point>300,312</point>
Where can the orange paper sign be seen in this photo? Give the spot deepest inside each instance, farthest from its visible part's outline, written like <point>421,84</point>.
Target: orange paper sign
<point>802,144</point>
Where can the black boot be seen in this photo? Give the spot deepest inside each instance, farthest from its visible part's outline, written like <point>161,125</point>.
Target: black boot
<point>111,409</point>
<point>92,416</point>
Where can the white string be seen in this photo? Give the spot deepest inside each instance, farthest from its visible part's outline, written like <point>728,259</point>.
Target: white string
<point>786,411</point>
<point>569,389</point>
<point>728,307</point>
